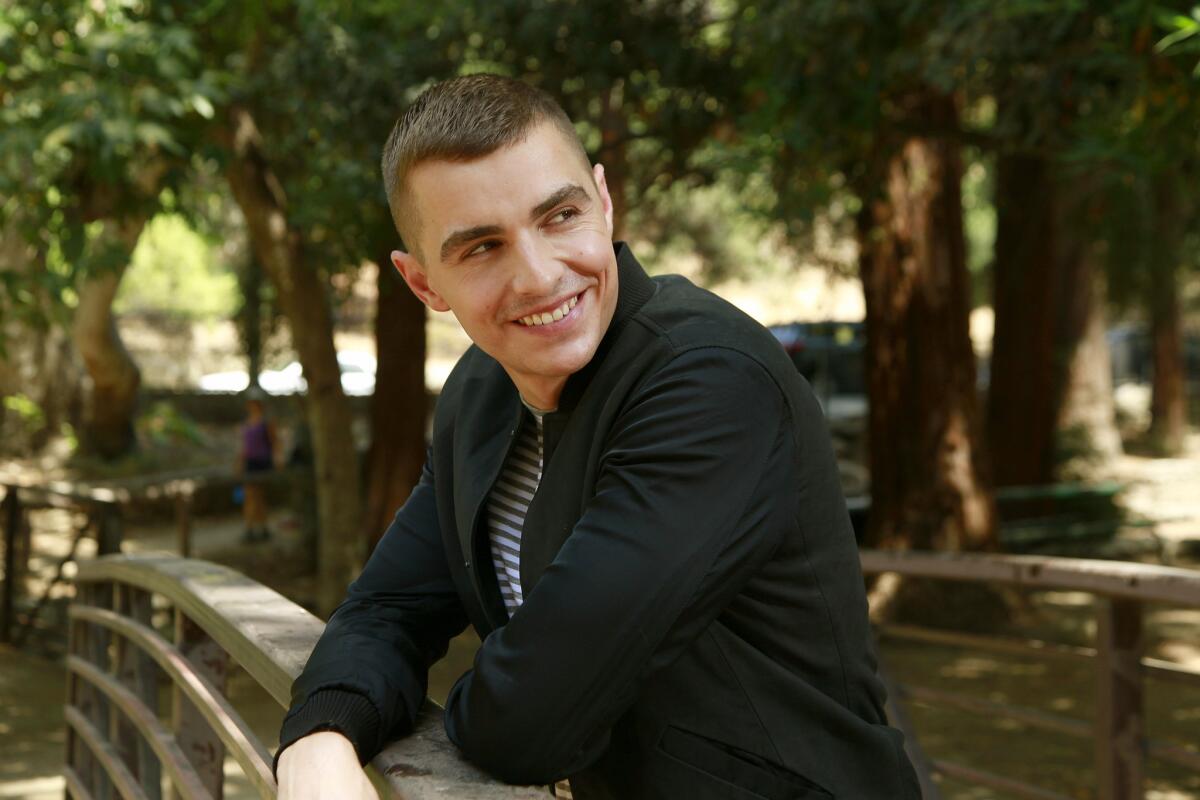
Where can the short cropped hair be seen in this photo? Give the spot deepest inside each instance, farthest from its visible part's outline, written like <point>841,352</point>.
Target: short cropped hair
<point>462,119</point>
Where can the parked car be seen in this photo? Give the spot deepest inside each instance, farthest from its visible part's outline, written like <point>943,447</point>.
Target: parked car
<point>828,354</point>
<point>357,368</point>
<point>1131,350</point>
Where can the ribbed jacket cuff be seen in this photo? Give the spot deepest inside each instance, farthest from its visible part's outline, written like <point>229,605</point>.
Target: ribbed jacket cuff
<point>349,713</point>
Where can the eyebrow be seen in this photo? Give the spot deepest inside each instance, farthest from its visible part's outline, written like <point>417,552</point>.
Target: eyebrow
<point>459,238</point>
<point>571,191</point>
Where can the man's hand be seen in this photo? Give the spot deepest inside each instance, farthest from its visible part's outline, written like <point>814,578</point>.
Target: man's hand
<point>323,766</point>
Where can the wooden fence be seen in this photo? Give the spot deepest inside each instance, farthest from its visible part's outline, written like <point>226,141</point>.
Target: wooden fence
<point>1121,589</point>
<point>142,623</point>
<point>101,511</point>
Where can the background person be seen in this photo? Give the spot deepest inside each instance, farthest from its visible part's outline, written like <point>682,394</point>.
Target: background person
<point>256,456</point>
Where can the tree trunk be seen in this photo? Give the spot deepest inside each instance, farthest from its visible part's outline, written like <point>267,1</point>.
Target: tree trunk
<point>614,130</point>
<point>303,297</point>
<point>250,319</point>
<point>929,488</point>
<point>111,400</point>
<point>398,409</point>
<point>1022,411</point>
<point>1051,388</point>
<point>1087,431</point>
<point>1168,403</point>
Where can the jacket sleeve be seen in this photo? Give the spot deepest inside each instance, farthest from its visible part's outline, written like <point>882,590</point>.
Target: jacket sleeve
<point>675,528</point>
<point>367,675</point>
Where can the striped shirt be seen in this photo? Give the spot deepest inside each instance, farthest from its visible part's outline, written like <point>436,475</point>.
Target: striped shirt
<point>509,503</point>
<point>507,506</point>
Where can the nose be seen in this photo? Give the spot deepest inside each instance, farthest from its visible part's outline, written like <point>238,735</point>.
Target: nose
<point>535,270</point>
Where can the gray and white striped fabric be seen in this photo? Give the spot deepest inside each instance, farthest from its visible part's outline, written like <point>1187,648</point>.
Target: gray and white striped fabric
<point>509,503</point>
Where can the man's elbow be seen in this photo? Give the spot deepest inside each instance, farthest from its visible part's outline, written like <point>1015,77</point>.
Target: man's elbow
<point>521,753</point>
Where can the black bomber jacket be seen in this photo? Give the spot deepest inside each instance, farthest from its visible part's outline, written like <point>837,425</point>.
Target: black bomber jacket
<point>694,621</point>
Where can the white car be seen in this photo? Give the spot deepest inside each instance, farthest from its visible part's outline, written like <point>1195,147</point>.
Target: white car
<point>358,377</point>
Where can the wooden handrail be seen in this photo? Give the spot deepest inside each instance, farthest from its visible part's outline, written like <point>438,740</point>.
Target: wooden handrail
<point>1145,583</point>
<point>263,631</point>
<point>1121,589</point>
<point>271,638</point>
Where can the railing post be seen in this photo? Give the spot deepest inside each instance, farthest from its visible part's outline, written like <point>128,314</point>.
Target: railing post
<point>108,530</point>
<point>136,671</point>
<point>196,738</point>
<point>1119,729</point>
<point>12,522</point>
<point>183,517</point>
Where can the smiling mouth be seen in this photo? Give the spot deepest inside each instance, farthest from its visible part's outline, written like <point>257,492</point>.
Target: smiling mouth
<point>546,318</point>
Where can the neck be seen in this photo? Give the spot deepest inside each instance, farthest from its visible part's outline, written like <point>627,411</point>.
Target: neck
<point>541,394</point>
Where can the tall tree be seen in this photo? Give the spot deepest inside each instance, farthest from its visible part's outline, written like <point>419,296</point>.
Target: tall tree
<point>313,201</point>
<point>852,106</point>
<point>1159,147</point>
<point>105,119</point>
<point>1168,404</point>
<point>399,407</point>
<point>1082,113</point>
<point>928,488</point>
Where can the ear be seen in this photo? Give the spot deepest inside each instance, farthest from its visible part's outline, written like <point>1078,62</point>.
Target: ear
<point>414,275</point>
<point>605,199</point>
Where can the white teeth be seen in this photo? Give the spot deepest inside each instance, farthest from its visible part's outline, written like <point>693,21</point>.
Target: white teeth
<point>533,320</point>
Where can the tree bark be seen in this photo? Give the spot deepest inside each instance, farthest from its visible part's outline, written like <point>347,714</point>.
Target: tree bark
<point>250,320</point>
<point>1051,388</point>
<point>614,130</point>
<point>1087,431</point>
<point>303,297</point>
<point>929,487</point>
<point>111,400</point>
<point>1022,411</point>
<point>398,409</point>
<point>1168,403</point>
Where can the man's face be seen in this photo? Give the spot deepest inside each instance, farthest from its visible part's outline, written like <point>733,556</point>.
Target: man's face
<point>518,244</point>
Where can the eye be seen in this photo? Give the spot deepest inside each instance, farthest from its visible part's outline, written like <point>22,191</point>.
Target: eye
<point>564,215</point>
<point>481,248</point>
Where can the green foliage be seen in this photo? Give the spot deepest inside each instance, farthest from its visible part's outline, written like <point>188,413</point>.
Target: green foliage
<point>712,222</point>
<point>163,424</point>
<point>32,418</point>
<point>100,104</point>
<point>979,224</point>
<point>176,271</point>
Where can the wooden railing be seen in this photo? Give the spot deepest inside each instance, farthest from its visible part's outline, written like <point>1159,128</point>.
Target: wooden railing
<point>99,517</point>
<point>101,509</point>
<point>142,623</point>
<point>1121,590</point>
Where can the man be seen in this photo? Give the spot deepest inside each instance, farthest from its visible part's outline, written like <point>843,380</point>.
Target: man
<point>630,494</point>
